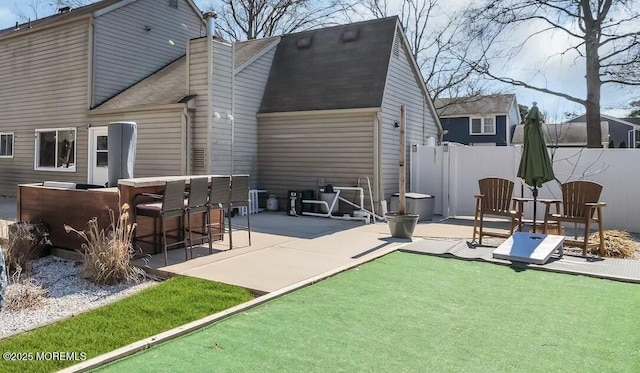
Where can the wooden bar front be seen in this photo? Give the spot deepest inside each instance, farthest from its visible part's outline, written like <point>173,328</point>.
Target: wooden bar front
<point>59,206</point>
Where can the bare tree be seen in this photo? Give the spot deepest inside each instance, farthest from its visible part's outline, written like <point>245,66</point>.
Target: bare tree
<point>605,37</point>
<point>635,109</point>
<point>43,8</point>
<point>440,44</point>
<point>253,19</point>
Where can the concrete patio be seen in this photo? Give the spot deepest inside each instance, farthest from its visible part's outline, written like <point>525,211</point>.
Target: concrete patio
<point>287,250</point>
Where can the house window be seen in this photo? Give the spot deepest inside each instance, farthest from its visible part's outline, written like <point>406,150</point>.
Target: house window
<point>6,145</point>
<point>56,150</point>
<point>482,125</point>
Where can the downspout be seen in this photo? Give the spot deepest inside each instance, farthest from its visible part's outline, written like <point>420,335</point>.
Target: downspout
<point>91,80</point>
<point>377,137</point>
<point>187,144</point>
<point>233,96</point>
<point>209,16</point>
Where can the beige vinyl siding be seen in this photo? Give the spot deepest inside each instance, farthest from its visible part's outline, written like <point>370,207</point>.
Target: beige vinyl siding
<point>402,88</point>
<point>43,80</point>
<point>222,81</point>
<point>294,152</point>
<point>197,60</point>
<point>249,88</point>
<point>160,143</point>
<point>125,52</point>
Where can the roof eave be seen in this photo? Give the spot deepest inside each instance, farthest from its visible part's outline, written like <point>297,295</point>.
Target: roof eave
<point>155,107</point>
<point>319,112</point>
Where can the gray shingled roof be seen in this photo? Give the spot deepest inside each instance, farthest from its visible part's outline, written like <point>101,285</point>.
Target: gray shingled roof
<point>574,133</point>
<point>478,105</point>
<point>632,120</point>
<point>247,49</point>
<point>59,17</point>
<point>330,73</point>
<point>166,86</point>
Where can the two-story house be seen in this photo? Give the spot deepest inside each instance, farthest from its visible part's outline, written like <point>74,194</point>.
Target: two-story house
<point>479,120</point>
<point>294,111</point>
<point>55,69</point>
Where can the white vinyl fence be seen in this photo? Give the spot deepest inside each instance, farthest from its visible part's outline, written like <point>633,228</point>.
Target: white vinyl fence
<point>451,174</point>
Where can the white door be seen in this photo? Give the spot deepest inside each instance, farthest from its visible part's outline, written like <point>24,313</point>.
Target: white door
<point>98,156</point>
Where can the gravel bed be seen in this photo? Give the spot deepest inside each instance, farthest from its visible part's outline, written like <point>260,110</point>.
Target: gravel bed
<point>69,295</point>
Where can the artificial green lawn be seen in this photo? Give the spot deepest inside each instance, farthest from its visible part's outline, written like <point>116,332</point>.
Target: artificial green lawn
<point>167,305</point>
<point>407,312</point>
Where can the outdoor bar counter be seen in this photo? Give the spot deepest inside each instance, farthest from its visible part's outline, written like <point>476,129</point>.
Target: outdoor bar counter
<point>74,205</point>
<point>132,190</point>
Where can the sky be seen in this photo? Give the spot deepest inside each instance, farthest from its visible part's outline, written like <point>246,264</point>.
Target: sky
<point>531,65</point>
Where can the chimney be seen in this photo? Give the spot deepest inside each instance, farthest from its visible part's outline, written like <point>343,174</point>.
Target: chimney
<point>64,9</point>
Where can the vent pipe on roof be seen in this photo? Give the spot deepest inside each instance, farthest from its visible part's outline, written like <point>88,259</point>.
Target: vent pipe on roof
<point>17,28</point>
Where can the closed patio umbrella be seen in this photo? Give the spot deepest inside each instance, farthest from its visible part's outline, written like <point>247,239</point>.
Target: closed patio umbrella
<point>535,166</point>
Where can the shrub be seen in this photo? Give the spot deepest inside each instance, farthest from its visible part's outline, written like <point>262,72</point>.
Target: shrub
<point>24,242</point>
<point>23,294</point>
<point>107,255</point>
<point>617,244</point>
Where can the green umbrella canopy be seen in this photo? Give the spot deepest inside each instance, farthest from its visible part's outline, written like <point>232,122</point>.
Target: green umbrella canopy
<point>535,165</point>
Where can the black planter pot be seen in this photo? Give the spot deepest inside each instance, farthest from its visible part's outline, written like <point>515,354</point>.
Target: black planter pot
<point>402,226</point>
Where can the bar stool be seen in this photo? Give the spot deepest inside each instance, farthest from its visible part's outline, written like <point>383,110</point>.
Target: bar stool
<point>172,205</point>
<point>197,203</point>
<point>240,198</point>
<point>219,198</point>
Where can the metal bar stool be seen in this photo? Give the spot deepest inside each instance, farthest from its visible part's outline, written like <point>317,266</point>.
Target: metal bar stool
<point>197,203</point>
<point>240,198</point>
<point>219,197</point>
<point>172,205</point>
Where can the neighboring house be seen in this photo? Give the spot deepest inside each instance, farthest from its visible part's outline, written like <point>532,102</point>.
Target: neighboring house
<point>561,135</point>
<point>479,120</point>
<point>55,69</point>
<point>621,130</point>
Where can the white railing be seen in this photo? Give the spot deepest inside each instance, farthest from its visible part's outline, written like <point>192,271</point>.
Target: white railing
<point>451,174</point>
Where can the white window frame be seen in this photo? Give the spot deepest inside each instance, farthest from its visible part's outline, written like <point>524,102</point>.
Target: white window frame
<point>482,131</point>
<point>36,158</point>
<point>13,143</point>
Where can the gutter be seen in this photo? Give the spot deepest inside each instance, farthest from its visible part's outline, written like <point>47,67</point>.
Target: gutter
<point>209,17</point>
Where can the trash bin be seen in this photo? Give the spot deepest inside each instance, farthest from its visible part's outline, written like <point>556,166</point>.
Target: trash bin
<point>416,203</point>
